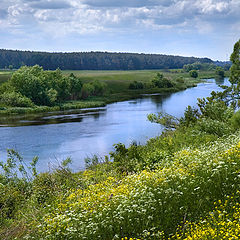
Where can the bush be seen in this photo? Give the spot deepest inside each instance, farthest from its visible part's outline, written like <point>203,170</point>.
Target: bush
<point>212,126</point>
<point>161,82</point>
<point>136,85</point>
<point>180,80</point>
<point>235,120</point>
<point>193,74</point>
<point>95,88</point>
<point>87,90</point>
<point>15,99</point>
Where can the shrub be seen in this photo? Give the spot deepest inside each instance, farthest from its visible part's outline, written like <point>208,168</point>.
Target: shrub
<point>15,99</point>
<point>136,85</point>
<point>235,120</point>
<point>180,80</point>
<point>161,82</point>
<point>193,74</point>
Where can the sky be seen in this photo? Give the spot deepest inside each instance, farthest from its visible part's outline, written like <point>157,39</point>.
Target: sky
<point>200,28</point>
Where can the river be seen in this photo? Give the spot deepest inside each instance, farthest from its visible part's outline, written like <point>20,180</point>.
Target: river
<point>83,133</point>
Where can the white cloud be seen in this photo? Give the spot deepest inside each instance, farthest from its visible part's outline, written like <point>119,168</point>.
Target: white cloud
<point>99,15</point>
<point>60,19</point>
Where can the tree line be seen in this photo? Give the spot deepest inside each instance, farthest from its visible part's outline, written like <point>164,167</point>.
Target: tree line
<point>94,60</point>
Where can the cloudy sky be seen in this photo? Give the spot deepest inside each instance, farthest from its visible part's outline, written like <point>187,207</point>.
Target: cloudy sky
<point>204,28</point>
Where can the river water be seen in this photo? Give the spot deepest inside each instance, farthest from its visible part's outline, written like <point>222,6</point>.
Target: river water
<point>83,133</point>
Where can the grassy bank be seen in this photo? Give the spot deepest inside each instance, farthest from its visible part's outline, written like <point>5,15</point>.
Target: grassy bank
<point>117,88</point>
<point>181,185</point>
<point>61,107</point>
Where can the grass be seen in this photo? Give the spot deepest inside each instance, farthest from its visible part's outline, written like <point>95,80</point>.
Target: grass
<point>61,107</point>
<point>4,76</point>
<point>118,81</point>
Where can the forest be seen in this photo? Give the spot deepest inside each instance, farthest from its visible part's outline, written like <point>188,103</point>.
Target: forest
<point>94,60</point>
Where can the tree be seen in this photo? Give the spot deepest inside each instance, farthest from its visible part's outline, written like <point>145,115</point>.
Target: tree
<point>75,86</point>
<point>44,87</point>
<point>193,74</point>
<point>10,67</point>
<point>231,94</point>
<point>235,59</point>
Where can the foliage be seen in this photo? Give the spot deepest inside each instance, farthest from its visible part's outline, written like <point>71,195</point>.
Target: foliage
<point>221,223</point>
<point>15,99</point>
<point>136,85</point>
<point>190,117</point>
<point>235,69</point>
<point>161,82</point>
<point>42,87</point>
<point>199,66</point>
<point>182,188</point>
<point>180,80</point>
<point>193,73</point>
<point>47,87</point>
<point>235,120</point>
<point>168,121</point>
<point>95,88</point>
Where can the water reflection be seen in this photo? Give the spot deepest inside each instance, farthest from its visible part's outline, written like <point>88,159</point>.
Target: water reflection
<point>51,118</point>
<point>219,80</point>
<point>159,99</point>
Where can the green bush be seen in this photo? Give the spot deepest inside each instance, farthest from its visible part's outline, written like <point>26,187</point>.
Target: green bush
<point>161,82</point>
<point>235,120</point>
<point>15,99</point>
<point>180,80</point>
<point>212,126</point>
<point>136,85</point>
<point>193,74</point>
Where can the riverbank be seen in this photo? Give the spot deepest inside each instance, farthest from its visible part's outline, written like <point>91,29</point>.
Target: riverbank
<point>117,83</point>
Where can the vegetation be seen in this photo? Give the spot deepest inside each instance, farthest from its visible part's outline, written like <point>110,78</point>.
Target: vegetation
<point>161,82</point>
<point>210,66</point>
<point>32,90</point>
<point>193,73</point>
<point>94,60</point>
<point>183,184</point>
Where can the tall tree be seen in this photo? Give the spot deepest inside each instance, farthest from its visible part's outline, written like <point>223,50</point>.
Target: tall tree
<point>235,59</point>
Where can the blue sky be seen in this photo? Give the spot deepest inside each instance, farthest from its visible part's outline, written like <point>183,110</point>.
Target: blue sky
<point>201,28</point>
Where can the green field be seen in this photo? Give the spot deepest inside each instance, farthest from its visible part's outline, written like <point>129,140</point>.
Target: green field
<point>4,76</point>
<point>120,80</point>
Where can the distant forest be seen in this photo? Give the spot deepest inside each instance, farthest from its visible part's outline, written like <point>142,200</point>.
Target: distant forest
<point>94,60</point>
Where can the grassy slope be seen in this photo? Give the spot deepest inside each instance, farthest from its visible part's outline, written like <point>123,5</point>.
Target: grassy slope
<point>193,172</point>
